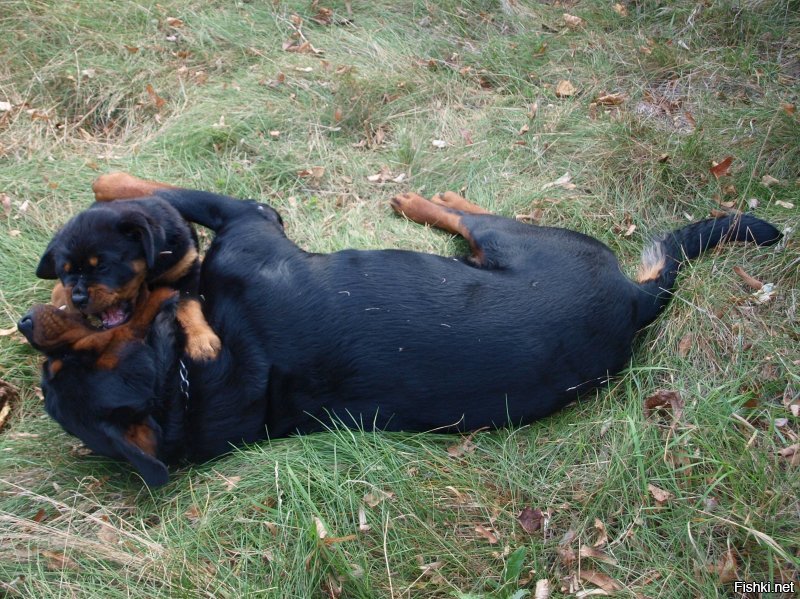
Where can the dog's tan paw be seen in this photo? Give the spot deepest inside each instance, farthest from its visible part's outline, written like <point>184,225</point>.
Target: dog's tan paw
<point>203,346</point>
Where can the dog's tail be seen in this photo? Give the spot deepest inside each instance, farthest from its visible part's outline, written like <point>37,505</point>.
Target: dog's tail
<point>662,260</point>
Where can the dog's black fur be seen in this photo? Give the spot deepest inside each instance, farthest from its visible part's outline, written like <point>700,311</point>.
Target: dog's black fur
<point>391,339</point>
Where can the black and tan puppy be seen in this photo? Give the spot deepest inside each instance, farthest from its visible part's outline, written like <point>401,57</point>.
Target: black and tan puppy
<point>390,339</point>
<point>105,255</point>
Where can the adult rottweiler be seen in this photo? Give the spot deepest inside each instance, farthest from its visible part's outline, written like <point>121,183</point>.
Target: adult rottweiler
<point>388,339</point>
<point>105,255</point>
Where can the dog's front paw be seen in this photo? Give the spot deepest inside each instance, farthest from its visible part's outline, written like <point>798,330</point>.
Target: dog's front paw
<point>203,346</point>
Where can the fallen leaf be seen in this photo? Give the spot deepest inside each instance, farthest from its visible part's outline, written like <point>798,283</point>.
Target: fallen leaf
<point>789,108</point>
<point>664,158</point>
<point>565,89</point>
<point>621,9</point>
<point>230,481</point>
<point>610,99</point>
<point>6,106</point>
<point>660,495</point>
<point>315,173</point>
<point>362,520</point>
<point>765,294</point>
<point>300,47</point>
<point>275,134</point>
<point>531,519</point>
<point>769,181</point>
<point>466,135</point>
<point>791,400</point>
<point>604,581</point>
<point>174,22</point>
<point>721,169</point>
<point>156,99</point>
<point>533,110</point>
<point>193,514</point>
<point>524,129</point>
<point>664,401</point>
<point>486,534</point>
<point>572,21</point>
<point>602,535</point>
<point>58,561</point>
<point>322,532</point>
<point>107,533</point>
<point>725,568</point>
<point>752,203</point>
<point>439,143</point>
<point>564,181</point>
<point>381,177</point>
<point>377,497</point>
<point>5,201</point>
<point>749,281</point>
<point>685,344</point>
<point>542,590</point>
<point>598,554</point>
<point>336,540</point>
<point>132,49</point>
<point>791,453</point>
<point>782,204</point>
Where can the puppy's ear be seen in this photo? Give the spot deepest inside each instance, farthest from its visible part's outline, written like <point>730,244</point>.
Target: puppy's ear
<point>138,444</point>
<point>47,263</point>
<point>151,234</point>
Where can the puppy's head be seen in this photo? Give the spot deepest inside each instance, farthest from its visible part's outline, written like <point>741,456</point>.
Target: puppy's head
<point>102,257</point>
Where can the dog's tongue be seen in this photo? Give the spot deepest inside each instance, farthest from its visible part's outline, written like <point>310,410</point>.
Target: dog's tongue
<point>113,317</point>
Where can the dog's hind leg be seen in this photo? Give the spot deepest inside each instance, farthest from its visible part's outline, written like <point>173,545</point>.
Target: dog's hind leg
<point>439,215</point>
<point>450,199</point>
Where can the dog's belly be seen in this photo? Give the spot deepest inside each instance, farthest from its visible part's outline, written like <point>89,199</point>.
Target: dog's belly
<point>419,342</point>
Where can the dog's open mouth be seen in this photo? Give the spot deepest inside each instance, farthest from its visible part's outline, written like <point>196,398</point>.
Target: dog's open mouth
<point>112,316</point>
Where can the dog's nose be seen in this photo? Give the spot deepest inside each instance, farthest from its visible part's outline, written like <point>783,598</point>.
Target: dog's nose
<point>25,325</point>
<point>80,298</point>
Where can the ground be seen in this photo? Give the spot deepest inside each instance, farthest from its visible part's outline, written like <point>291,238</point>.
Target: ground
<point>617,120</point>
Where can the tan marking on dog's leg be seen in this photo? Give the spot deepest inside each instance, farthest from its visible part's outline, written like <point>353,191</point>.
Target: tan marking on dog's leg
<point>121,186</point>
<point>450,199</point>
<point>180,268</point>
<point>415,207</point>
<point>202,342</point>
<point>653,263</point>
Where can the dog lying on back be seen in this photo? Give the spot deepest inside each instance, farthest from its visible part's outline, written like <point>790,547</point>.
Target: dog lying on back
<point>380,339</point>
<point>107,255</point>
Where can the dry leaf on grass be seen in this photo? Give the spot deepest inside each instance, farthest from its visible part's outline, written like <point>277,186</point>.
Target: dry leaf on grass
<point>598,554</point>
<point>572,21</point>
<point>604,581</point>
<point>610,99</point>
<point>685,344</point>
<point>769,181</point>
<point>565,89</point>
<point>58,561</point>
<point>782,204</point>
<point>193,514</point>
<point>720,169</point>
<point>377,497</point>
<point>621,9</point>
<point>107,533</point>
<point>564,181</point>
<point>8,397</point>
<point>531,519</point>
<point>791,453</point>
<point>660,495</point>
<point>322,532</point>
<point>157,100</point>
<point>725,568</point>
<point>664,401</point>
<point>174,22</point>
<point>791,400</point>
<point>487,534</point>
<point>542,590</point>
<point>315,173</point>
<point>602,535</point>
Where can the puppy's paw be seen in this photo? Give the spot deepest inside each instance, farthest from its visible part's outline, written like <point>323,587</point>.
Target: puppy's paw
<point>203,346</point>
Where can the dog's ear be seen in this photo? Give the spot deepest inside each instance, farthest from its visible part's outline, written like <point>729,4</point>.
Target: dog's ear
<point>47,263</point>
<point>138,444</point>
<point>149,233</point>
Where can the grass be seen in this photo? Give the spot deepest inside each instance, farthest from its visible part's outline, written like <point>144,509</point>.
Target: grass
<point>400,515</point>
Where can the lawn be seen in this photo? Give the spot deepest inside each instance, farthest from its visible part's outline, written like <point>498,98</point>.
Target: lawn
<point>616,120</point>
